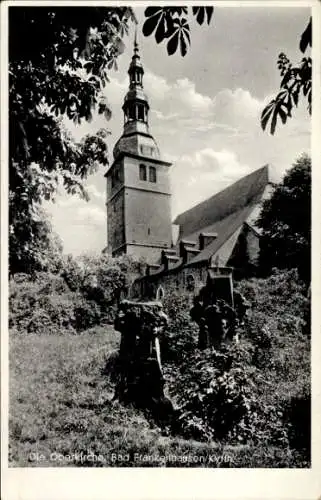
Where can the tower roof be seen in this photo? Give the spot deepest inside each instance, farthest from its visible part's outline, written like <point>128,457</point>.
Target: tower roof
<point>136,138</point>
<point>138,144</point>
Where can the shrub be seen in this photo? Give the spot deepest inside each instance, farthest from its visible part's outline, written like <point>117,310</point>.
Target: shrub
<point>40,322</point>
<point>180,338</point>
<point>87,314</point>
<point>245,392</point>
<point>298,417</point>
<point>84,294</point>
<point>215,391</point>
<point>47,305</point>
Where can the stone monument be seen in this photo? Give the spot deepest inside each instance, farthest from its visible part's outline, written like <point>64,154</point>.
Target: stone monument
<point>141,380</point>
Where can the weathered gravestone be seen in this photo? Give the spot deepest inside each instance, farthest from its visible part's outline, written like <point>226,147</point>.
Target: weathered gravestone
<point>218,309</point>
<point>141,380</point>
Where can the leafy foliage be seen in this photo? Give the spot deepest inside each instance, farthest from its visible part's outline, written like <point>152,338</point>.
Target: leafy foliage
<point>296,83</point>
<point>286,221</point>
<point>81,295</point>
<point>59,72</point>
<point>171,24</point>
<point>47,306</point>
<point>182,334</point>
<point>253,391</point>
<point>41,252</point>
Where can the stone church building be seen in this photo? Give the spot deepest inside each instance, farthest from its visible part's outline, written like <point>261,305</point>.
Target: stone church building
<point>217,233</point>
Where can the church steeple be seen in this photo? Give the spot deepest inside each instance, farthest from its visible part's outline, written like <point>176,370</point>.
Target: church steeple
<point>136,137</point>
<point>138,183</point>
<point>136,105</point>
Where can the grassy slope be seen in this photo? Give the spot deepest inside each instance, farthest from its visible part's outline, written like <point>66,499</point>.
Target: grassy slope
<point>60,403</point>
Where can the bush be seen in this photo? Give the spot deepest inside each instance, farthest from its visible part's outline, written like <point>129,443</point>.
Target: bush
<point>180,338</point>
<point>41,323</point>
<point>244,392</point>
<point>298,415</point>
<point>84,294</point>
<point>47,305</point>
<point>219,400</point>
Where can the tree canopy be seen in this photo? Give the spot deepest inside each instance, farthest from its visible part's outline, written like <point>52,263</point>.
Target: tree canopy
<point>58,72</point>
<point>285,221</point>
<point>172,25</point>
<point>296,84</point>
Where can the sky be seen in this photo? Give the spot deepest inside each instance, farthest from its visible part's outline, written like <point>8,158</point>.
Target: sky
<point>204,113</point>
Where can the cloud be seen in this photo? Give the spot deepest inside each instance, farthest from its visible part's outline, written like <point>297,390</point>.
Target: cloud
<point>180,103</point>
<point>94,193</point>
<point>211,140</point>
<point>89,215</point>
<point>80,224</point>
<point>198,176</point>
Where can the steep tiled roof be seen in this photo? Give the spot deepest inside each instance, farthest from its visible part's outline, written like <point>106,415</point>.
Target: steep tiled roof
<point>224,228</point>
<point>247,191</point>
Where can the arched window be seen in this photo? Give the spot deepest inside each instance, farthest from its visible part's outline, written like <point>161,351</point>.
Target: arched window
<point>152,174</point>
<point>140,112</point>
<point>190,283</point>
<point>142,173</point>
<point>131,113</point>
<point>160,294</point>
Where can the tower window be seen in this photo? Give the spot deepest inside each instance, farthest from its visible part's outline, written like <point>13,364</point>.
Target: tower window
<point>141,113</point>
<point>152,174</point>
<point>142,173</point>
<point>131,113</point>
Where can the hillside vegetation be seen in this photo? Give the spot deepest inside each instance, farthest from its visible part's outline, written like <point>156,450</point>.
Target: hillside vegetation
<point>256,391</point>
<point>245,407</point>
<point>78,295</point>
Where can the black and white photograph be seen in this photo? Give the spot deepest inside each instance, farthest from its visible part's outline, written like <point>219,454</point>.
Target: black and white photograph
<point>159,234</point>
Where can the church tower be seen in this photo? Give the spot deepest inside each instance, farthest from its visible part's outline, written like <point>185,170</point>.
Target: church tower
<point>138,185</point>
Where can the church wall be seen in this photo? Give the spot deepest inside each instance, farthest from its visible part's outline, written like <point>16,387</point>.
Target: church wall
<point>148,254</point>
<point>187,280</point>
<point>147,218</point>
<point>115,221</point>
<point>131,176</point>
<point>115,178</point>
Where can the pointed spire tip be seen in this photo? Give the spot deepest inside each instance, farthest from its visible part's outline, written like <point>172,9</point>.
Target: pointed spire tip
<point>135,40</point>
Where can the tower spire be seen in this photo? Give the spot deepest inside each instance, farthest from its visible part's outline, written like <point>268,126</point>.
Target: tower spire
<point>136,49</point>
<point>136,111</point>
<point>136,69</point>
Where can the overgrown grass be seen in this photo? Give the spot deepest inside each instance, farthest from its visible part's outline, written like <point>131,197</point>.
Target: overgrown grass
<point>62,413</point>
